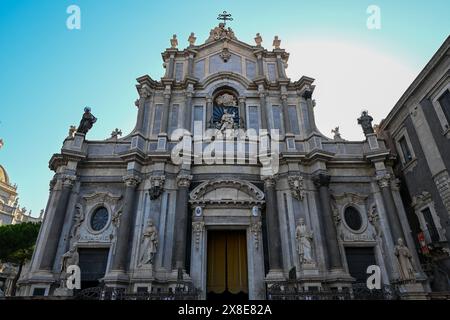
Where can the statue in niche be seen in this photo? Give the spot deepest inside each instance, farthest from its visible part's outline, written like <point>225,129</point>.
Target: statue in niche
<point>227,121</point>
<point>404,260</point>
<point>304,242</point>
<point>69,258</point>
<point>225,113</point>
<point>149,243</point>
<point>87,121</point>
<point>366,122</point>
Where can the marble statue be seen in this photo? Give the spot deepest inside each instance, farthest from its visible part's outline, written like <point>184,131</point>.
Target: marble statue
<point>366,122</point>
<point>258,40</point>
<point>78,220</point>
<point>227,121</point>
<point>337,134</point>
<point>69,258</point>
<point>149,243</point>
<point>192,39</point>
<point>174,42</point>
<point>87,121</point>
<point>405,267</point>
<point>276,42</point>
<point>304,242</point>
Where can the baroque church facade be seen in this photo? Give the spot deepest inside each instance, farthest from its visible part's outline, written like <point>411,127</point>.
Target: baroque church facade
<point>205,191</point>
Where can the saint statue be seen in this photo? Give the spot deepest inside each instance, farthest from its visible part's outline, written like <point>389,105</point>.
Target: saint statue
<point>150,243</point>
<point>87,121</point>
<point>366,122</point>
<point>69,258</point>
<point>304,242</point>
<point>405,267</point>
<point>227,121</point>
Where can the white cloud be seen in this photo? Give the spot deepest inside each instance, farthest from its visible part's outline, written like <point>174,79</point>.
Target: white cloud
<point>350,77</point>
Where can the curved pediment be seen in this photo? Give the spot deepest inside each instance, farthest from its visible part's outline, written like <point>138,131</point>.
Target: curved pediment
<point>226,191</point>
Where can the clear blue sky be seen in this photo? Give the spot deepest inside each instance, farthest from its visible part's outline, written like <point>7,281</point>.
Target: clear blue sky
<point>49,73</point>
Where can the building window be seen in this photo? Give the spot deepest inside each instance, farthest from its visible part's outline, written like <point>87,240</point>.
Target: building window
<point>407,156</point>
<point>253,118</point>
<point>178,71</point>
<point>157,119</point>
<point>353,218</point>
<point>271,72</point>
<point>174,118</point>
<point>276,115</point>
<point>444,101</point>
<point>430,225</point>
<point>99,219</point>
<point>293,119</point>
<point>198,116</point>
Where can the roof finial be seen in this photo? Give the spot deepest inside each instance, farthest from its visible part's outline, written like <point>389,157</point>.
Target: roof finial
<point>225,16</point>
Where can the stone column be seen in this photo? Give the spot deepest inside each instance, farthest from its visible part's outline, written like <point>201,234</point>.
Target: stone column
<point>188,112</point>
<point>322,181</point>
<point>286,120</point>
<point>260,64</point>
<point>145,95</point>
<point>280,67</point>
<point>262,102</point>
<point>57,223</point>
<point>166,111</point>
<point>391,209</point>
<point>209,112</point>
<point>171,66</point>
<point>120,259</point>
<point>191,65</point>
<point>273,227</point>
<point>181,212</point>
<point>307,95</point>
<point>243,123</point>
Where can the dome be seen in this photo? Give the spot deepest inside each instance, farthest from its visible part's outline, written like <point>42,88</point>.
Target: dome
<point>3,175</point>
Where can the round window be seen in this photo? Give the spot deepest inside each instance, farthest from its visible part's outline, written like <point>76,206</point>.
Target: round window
<point>353,218</point>
<point>99,219</point>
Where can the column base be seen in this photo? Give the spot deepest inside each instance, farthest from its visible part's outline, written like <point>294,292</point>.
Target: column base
<point>412,291</point>
<point>275,275</point>
<point>117,279</point>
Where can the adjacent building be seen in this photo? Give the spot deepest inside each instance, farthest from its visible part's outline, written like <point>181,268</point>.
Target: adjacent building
<point>417,131</point>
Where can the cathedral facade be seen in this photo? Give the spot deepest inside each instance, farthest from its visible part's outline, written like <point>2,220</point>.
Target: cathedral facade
<point>225,184</point>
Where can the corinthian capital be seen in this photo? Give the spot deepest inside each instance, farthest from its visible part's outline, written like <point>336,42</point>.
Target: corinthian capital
<point>68,180</point>
<point>384,180</point>
<point>184,180</point>
<point>269,182</point>
<point>131,180</point>
<point>321,180</point>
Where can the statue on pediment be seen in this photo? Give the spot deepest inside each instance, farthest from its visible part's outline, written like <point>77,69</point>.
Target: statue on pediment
<point>221,32</point>
<point>87,121</point>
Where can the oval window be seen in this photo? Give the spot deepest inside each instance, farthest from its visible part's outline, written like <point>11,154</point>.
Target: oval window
<point>353,218</point>
<point>99,219</point>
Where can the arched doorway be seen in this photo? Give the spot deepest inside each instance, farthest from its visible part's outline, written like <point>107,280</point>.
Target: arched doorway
<point>227,256</point>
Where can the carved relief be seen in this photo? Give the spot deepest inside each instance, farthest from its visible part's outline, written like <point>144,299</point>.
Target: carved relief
<point>255,229</point>
<point>296,184</point>
<point>197,228</point>
<point>77,221</point>
<point>156,186</point>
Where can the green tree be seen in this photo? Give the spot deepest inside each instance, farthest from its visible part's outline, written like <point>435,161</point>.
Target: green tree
<point>17,243</point>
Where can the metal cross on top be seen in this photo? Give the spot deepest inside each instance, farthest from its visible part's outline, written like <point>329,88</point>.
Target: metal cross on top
<point>225,16</point>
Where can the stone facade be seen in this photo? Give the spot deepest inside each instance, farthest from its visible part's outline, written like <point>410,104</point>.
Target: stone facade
<point>417,132</point>
<point>225,85</point>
